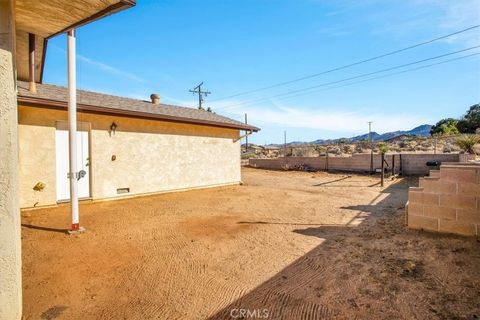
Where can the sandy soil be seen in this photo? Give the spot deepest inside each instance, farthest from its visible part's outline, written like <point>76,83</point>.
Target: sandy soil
<point>287,245</point>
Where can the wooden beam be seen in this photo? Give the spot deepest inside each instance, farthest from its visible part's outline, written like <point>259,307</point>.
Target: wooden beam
<point>31,63</point>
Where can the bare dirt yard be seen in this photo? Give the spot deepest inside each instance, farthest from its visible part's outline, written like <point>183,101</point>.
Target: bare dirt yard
<point>285,245</point>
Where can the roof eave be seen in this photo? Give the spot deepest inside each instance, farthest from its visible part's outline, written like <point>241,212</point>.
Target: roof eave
<point>55,104</point>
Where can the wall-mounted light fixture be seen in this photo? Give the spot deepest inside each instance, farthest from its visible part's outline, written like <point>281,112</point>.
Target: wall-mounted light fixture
<point>113,127</point>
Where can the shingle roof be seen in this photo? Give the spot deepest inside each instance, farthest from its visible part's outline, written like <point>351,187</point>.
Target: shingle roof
<point>57,97</point>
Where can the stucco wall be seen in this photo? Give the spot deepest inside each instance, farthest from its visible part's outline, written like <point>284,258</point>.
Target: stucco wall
<point>10,240</point>
<point>151,156</point>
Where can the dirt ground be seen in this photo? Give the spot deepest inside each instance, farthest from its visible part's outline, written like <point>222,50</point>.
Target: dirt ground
<point>285,245</point>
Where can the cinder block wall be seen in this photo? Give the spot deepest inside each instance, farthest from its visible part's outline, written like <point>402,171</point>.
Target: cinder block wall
<point>415,164</point>
<point>411,163</point>
<point>447,201</point>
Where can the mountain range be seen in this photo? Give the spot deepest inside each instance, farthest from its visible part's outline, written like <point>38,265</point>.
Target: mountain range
<point>420,131</point>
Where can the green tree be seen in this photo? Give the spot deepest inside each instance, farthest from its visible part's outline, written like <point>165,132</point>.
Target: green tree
<point>471,120</point>
<point>445,126</point>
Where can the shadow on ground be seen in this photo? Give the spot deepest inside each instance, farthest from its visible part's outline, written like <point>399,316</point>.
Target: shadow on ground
<point>374,269</point>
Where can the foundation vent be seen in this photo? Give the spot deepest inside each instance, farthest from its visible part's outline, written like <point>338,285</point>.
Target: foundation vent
<point>123,190</point>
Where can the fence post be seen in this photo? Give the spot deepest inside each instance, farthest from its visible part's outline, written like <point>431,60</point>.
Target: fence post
<point>383,169</point>
<point>401,165</point>
<point>326,160</point>
<point>393,165</point>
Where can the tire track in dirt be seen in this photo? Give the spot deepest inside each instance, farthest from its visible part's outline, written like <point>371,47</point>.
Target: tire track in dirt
<point>152,275</point>
<point>216,295</point>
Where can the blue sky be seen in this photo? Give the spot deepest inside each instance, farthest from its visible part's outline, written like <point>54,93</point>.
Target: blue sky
<point>170,46</point>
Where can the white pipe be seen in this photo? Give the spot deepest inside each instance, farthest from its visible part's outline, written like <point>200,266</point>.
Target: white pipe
<point>72,129</point>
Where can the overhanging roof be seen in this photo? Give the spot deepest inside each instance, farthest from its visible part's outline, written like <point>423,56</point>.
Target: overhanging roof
<point>51,96</point>
<point>47,19</point>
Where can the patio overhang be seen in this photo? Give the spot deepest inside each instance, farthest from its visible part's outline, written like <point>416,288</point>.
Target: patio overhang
<point>46,19</point>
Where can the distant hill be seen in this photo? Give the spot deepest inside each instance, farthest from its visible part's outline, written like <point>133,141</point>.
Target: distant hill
<point>420,131</point>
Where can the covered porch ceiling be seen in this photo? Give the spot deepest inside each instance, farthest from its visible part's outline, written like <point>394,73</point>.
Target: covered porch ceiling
<point>47,19</point>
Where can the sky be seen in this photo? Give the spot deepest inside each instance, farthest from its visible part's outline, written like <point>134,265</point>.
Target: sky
<point>170,46</point>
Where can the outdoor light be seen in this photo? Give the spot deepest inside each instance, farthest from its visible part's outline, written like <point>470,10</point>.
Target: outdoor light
<point>113,127</point>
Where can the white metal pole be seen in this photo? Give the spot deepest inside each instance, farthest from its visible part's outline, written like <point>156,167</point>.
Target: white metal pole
<point>72,129</point>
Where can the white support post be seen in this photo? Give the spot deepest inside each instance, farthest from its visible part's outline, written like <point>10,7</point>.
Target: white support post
<point>72,130</point>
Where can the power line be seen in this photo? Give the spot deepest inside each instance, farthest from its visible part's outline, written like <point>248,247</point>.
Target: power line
<point>347,79</point>
<point>349,65</point>
<point>385,76</point>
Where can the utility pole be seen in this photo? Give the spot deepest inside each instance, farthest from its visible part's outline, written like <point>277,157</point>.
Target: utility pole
<point>285,147</point>
<point>246,137</point>
<point>198,90</point>
<point>371,144</point>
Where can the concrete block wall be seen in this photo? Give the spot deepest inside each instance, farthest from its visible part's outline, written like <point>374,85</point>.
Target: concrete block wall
<point>411,163</point>
<point>414,164</point>
<point>447,201</point>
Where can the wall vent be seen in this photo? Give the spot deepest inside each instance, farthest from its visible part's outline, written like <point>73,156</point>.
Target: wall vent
<point>123,190</point>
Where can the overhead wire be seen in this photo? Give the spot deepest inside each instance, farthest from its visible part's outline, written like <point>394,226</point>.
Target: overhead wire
<point>346,79</point>
<point>349,65</point>
<point>387,75</point>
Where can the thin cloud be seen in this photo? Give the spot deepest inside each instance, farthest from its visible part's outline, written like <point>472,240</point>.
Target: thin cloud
<point>422,17</point>
<point>110,69</point>
<point>103,66</point>
<point>326,119</point>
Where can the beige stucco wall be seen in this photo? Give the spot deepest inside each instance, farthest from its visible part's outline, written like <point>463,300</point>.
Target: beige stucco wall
<point>151,156</point>
<point>10,239</point>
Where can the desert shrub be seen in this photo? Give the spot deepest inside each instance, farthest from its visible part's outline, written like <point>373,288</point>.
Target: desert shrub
<point>319,150</point>
<point>467,143</point>
<point>448,147</point>
<point>347,148</point>
<point>335,151</point>
<point>426,144</point>
<point>249,155</point>
<point>358,148</point>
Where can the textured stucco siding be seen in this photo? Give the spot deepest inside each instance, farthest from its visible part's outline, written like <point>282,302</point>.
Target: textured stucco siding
<point>151,156</point>
<point>10,239</point>
<point>37,164</point>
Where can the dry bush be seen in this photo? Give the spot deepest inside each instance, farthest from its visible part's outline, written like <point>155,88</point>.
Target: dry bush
<point>347,148</point>
<point>335,150</point>
<point>358,148</point>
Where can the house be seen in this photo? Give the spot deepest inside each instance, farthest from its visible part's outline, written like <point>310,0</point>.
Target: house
<point>125,146</point>
<point>25,29</point>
